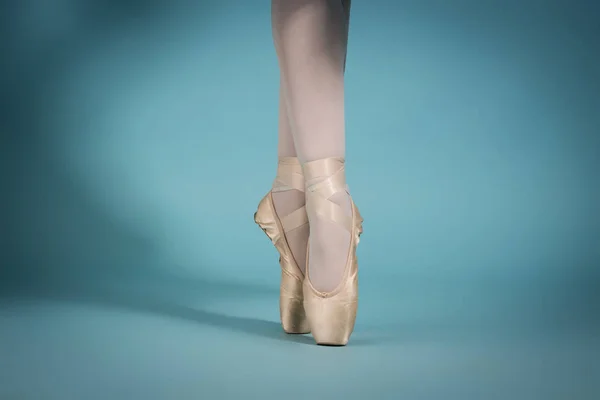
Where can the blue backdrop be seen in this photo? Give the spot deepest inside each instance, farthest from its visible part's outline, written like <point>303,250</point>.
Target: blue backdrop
<point>138,138</point>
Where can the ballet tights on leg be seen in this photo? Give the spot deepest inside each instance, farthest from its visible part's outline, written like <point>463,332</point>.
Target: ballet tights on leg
<point>311,39</point>
<point>288,201</point>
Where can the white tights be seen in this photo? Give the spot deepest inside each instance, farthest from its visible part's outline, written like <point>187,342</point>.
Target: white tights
<point>311,39</point>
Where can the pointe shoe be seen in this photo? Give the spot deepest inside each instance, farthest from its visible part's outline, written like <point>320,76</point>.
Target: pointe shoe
<point>332,315</point>
<point>291,305</point>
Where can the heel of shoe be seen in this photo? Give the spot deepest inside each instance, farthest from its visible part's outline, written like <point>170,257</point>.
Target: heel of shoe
<point>291,305</point>
<point>264,217</point>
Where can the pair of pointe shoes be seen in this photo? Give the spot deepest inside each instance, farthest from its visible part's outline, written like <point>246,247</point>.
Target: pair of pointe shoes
<point>330,316</point>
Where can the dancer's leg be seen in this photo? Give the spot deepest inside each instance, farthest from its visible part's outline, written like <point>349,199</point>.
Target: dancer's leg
<point>290,200</point>
<point>285,143</point>
<point>311,41</point>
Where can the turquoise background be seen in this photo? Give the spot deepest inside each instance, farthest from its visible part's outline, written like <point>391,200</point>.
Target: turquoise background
<point>138,138</point>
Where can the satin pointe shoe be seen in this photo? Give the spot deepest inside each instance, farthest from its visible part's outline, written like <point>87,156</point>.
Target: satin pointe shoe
<point>332,315</point>
<point>291,306</point>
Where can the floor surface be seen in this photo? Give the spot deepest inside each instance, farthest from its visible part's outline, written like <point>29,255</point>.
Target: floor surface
<point>187,340</point>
